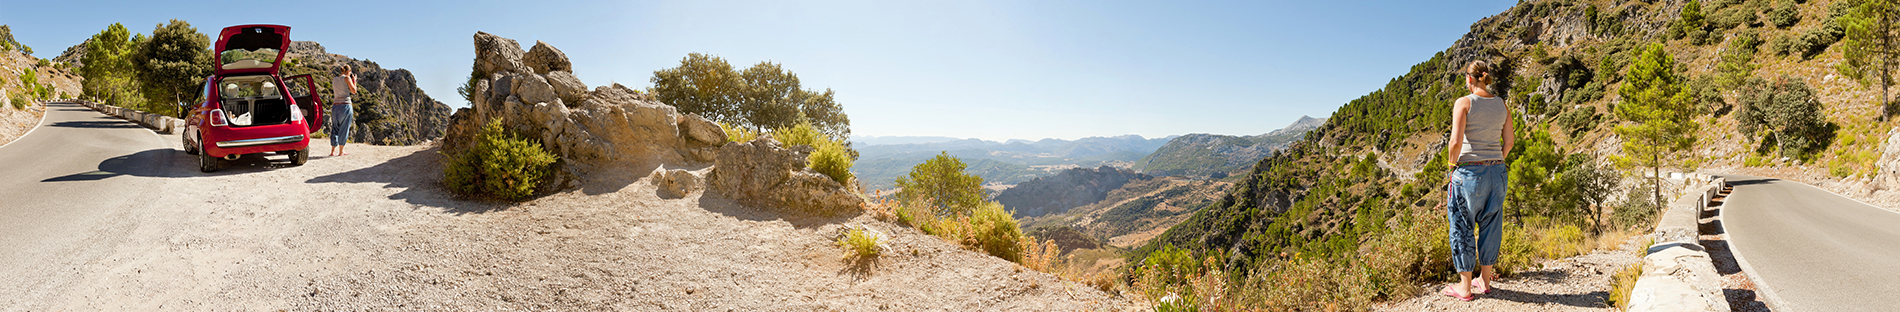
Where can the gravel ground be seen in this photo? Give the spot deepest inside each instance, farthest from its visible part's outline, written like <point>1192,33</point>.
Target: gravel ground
<point>374,231</point>
<point>1580,283</point>
<point>15,122</point>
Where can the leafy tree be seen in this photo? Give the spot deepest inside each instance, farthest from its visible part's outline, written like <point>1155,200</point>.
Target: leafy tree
<point>1873,42</point>
<point>1658,110</point>
<point>1785,111</point>
<point>172,63</point>
<point>107,67</point>
<point>1690,23</point>
<point>941,182</point>
<point>1593,185</point>
<point>764,96</point>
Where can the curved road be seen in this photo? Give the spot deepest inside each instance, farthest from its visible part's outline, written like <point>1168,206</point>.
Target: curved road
<point>65,190</point>
<point>1811,250</point>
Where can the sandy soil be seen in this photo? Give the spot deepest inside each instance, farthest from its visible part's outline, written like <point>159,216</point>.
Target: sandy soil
<point>1580,283</point>
<point>374,231</point>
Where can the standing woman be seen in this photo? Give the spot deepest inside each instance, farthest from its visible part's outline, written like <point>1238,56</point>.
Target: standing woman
<point>1480,136</point>
<point>341,117</point>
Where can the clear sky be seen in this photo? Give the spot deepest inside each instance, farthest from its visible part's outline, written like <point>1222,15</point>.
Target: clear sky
<point>971,69</point>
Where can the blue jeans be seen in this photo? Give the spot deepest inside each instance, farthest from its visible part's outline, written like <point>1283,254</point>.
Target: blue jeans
<point>1476,196</point>
<point>341,117</point>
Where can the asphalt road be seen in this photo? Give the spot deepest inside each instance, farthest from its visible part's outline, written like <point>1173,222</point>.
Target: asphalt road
<point>65,190</point>
<point>1811,250</point>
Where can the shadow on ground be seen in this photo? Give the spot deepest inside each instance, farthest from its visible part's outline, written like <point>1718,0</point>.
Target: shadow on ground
<point>418,176</point>
<point>1594,299</point>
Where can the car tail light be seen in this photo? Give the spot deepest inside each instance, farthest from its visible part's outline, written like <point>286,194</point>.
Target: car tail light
<point>296,114</point>
<point>217,118</point>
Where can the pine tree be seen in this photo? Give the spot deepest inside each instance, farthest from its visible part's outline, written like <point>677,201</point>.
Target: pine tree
<point>1658,111</point>
<point>1873,42</point>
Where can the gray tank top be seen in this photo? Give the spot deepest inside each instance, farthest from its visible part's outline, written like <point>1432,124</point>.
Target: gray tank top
<point>1484,130</point>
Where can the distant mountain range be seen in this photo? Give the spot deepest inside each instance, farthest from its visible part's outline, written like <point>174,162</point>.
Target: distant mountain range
<point>883,159</point>
<point>1204,155</point>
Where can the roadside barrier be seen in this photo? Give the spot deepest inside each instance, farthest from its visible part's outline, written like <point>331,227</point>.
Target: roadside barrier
<point>158,123</point>
<point>1678,274</point>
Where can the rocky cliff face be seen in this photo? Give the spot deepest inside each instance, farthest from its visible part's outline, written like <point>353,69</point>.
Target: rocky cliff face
<point>390,109</point>
<point>1068,189</point>
<point>1204,155</point>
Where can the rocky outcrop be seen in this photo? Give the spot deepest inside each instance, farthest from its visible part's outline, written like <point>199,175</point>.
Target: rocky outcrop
<point>761,173</point>
<point>390,108</point>
<point>1066,190</point>
<point>617,128</point>
<point>1888,177</point>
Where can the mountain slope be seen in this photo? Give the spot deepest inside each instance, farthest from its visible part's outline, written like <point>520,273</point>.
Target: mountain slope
<point>390,108</point>
<point>1202,154</point>
<point>1069,189</point>
<point>1003,163</point>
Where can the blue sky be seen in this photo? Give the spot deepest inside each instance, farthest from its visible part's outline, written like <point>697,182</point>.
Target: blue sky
<point>972,69</point>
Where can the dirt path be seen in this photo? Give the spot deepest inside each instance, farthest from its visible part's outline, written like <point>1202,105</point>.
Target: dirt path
<point>1580,283</point>
<point>374,231</point>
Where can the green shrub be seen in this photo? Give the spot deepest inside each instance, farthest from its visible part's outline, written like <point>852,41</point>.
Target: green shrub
<point>738,134</point>
<point>1637,209</point>
<point>1785,14</point>
<point>829,156</point>
<point>1577,121</point>
<point>1732,17</point>
<point>501,164</point>
<point>997,232</point>
<point>860,243</point>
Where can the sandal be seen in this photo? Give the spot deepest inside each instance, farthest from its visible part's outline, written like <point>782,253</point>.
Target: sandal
<point>1480,288</point>
<point>1448,292</point>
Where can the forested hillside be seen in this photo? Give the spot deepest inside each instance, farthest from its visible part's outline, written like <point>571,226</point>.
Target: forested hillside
<point>1215,156</point>
<point>1603,94</point>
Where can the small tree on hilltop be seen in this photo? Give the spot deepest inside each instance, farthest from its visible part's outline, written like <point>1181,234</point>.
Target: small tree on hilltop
<point>942,182</point>
<point>1658,110</point>
<point>1873,42</point>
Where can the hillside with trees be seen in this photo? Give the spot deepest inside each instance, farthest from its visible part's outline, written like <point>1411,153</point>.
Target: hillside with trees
<point>1608,98</point>
<point>1215,156</point>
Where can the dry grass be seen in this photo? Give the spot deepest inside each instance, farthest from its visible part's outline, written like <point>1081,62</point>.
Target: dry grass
<point>1621,284</point>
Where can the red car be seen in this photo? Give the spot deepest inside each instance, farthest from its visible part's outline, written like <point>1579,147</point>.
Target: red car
<point>245,108</point>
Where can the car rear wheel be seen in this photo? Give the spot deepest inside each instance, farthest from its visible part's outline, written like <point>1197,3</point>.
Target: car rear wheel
<point>299,157</point>
<point>190,148</point>
<point>207,163</point>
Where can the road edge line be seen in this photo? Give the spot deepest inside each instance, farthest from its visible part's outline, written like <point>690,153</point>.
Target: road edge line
<point>1763,291</point>
<point>36,126</point>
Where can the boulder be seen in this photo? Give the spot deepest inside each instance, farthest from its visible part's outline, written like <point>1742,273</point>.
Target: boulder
<point>1888,175</point>
<point>702,130</point>
<point>761,173</point>
<point>533,89</point>
<point>494,54</point>
<point>544,58</point>
<point>676,183</point>
<point>568,87</point>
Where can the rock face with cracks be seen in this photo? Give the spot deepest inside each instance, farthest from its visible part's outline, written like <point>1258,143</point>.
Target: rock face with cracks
<point>618,128</point>
<point>761,173</point>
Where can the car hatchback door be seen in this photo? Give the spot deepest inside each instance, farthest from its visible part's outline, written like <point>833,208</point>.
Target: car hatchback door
<point>303,90</point>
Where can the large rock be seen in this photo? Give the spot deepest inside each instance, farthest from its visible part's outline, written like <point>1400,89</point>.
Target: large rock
<point>533,89</point>
<point>568,87</point>
<point>494,54</point>
<point>544,58</point>
<point>676,183</point>
<point>702,130</point>
<point>1889,175</point>
<point>763,174</point>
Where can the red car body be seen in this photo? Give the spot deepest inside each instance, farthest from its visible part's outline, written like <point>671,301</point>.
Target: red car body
<point>245,107</point>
